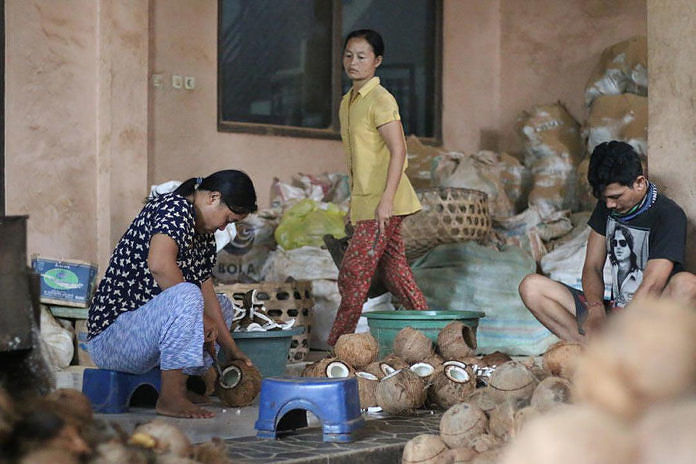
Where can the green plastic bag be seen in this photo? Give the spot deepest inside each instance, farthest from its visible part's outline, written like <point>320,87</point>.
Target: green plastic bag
<point>306,222</point>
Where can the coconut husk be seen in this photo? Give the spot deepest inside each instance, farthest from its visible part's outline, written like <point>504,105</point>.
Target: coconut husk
<point>357,349</point>
<point>394,362</point>
<point>319,368</point>
<point>451,385</point>
<point>561,359</point>
<point>374,369</point>
<point>551,392</point>
<point>434,360</point>
<point>485,442</point>
<point>572,435</point>
<point>168,438</point>
<point>112,453</point>
<point>618,370</point>
<point>488,457</point>
<point>72,405</point>
<point>412,345</point>
<point>461,423</point>
<point>495,359</point>
<point>666,433</point>
<point>246,390</point>
<point>456,340</point>
<point>425,449</point>
<point>523,416</point>
<point>512,381</point>
<point>533,364</point>
<point>461,455</point>
<point>49,455</point>
<point>401,392</point>
<point>367,389</point>
<point>482,398</point>
<point>502,419</point>
<point>211,452</point>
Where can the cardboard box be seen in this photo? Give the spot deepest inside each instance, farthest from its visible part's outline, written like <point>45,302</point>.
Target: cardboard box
<point>65,282</point>
<point>83,357</point>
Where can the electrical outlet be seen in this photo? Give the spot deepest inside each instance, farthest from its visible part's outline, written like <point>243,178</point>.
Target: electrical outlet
<point>177,81</point>
<point>157,81</point>
<point>189,82</point>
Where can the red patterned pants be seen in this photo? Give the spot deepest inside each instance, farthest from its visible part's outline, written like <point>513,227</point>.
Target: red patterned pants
<point>358,267</point>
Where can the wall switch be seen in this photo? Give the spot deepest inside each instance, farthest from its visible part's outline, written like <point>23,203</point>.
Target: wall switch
<point>189,82</point>
<point>157,80</point>
<point>177,81</point>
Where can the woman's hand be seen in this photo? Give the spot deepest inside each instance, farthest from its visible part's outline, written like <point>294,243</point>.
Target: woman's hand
<point>383,213</point>
<point>210,331</point>
<point>236,353</point>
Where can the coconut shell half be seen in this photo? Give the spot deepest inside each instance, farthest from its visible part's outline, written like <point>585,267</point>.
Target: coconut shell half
<point>168,438</point>
<point>240,384</point>
<point>561,359</point>
<point>357,349</point>
<point>461,423</point>
<point>456,340</point>
<point>392,363</point>
<point>329,367</point>
<point>451,385</point>
<point>412,345</point>
<point>512,381</point>
<point>551,392</point>
<point>400,392</point>
<point>425,449</point>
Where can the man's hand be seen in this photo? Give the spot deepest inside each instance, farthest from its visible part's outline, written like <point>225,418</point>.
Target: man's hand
<point>596,317</point>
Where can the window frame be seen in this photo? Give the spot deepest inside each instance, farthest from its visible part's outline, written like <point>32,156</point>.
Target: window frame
<point>333,131</point>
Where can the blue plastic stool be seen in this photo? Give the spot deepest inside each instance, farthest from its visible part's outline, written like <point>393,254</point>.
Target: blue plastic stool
<point>110,391</point>
<point>284,400</point>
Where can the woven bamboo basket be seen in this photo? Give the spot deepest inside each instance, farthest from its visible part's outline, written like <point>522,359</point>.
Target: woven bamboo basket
<point>284,301</point>
<point>449,215</point>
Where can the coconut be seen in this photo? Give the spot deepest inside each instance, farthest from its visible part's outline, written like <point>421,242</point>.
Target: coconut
<point>412,345</point>
<point>495,359</point>
<point>117,453</point>
<point>367,388</point>
<point>452,385</point>
<point>456,340</point>
<point>173,459</point>
<point>49,455</point>
<point>423,370</point>
<point>72,405</point>
<point>329,367</point>
<point>425,449</point>
<point>434,360</point>
<point>512,381</point>
<point>571,435</point>
<point>551,392</point>
<point>356,349</point>
<point>482,398</point>
<point>461,455</point>
<point>374,369</point>
<point>239,384</point>
<point>392,363</point>
<point>644,355</point>
<point>400,392</point>
<point>524,415</point>
<point>461,423</point>
<point>167,438</point>
<point>531,363</point>
<point>488,457</point>
<point>561,359</point>
<point>502,419</point>
<point>211,452</point>
<point>666,433</point>
<point>485,442</point>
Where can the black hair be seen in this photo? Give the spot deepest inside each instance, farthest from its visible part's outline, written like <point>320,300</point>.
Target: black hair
<point>629,241</point>
<point>372,37</point>
<point>235,187</point>
<point>613,162</point>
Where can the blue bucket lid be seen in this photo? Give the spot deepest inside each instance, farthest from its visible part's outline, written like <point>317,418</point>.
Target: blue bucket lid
<point>269,333</point>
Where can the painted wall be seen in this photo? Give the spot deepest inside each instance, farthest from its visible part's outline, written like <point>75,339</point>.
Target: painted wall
<point>672,106</point>
<point>89,133</point>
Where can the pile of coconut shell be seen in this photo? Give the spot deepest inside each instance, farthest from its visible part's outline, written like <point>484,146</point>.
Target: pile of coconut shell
<point>60,428</point>
<point>631,394</point>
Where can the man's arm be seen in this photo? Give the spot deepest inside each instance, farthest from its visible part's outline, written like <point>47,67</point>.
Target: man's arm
<point>655,277</point>
<point>593,281</point>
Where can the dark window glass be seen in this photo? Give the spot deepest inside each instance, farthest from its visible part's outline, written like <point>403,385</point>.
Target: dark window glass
<point>279,63</point>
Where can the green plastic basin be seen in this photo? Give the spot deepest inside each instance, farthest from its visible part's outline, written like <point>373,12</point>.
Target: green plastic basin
<point>267,350</point>
<point>384,325</point>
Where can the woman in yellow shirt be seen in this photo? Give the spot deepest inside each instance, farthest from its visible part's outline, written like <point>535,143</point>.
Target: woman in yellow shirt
<point>381,194</point>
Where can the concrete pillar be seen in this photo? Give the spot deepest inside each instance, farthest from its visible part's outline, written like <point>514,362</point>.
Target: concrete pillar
<point>672,106</point>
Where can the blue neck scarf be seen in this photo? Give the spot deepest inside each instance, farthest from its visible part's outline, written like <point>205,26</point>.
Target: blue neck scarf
<point>645,204</point>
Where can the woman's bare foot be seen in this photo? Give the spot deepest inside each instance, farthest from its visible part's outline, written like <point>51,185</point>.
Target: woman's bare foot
<point>173,399</point>
<point>197,398</point>
<point>181,407</point>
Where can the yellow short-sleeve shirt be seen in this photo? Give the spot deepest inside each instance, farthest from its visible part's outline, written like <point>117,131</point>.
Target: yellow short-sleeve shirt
<point>367,154</point>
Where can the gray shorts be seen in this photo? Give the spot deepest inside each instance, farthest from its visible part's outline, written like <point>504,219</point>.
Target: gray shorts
<point>581,307</point>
